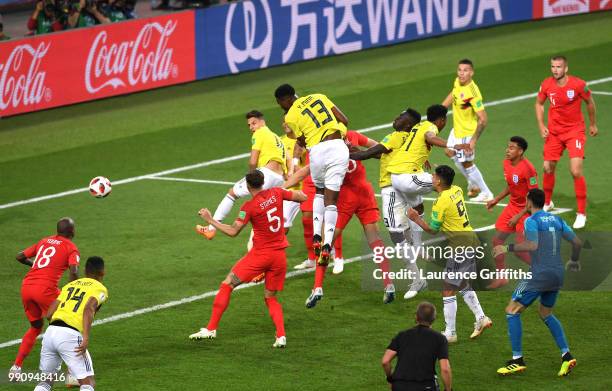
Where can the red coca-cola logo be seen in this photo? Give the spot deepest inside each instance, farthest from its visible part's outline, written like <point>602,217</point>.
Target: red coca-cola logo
<point>145,59</point>
<point>22,83</point>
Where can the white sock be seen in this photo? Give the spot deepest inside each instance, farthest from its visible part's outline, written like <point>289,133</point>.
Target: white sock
<point>461,169</point>
<point>42,386</point>
<point>225,206</point>
<point>450,313</point>
<point>318,212</point>
<point>471,299</point>
<point>476,177</point>
<point>86,387</point>
<point>331,216</point>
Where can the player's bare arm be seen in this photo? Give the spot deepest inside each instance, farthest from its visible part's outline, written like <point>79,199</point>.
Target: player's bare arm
<point>88,316</point>
<point>591,110</point>
<point>499,197</point>
<point>253,159</point>
<point>448,100</point>
<point>445,372</point>
<point>574,263</point>
<point>298,196</point>
<point>297,177</point>
<point>21,258</point>
<point>515,219</point>
<point>414,215</point>
<point>386,361</point>
<point>480,127</point>
<point>52,309</point>
<point>369,153</point>
<point>526,245</point>
<point>434,140</point>
<point>340,116</point>
<point>230,230</point>
<point>539,111</point>
<point>73,272</point>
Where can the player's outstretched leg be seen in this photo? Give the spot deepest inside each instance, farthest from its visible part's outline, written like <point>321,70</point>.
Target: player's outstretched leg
<point>476,177</point>
<point>482,321</point>
<point>220,304</point>
<point>556,330</point>
<point>450,316</point>
<point>317,291</point>
<point>276,313</point>
<point>27,343</point>
<point>515,333</point>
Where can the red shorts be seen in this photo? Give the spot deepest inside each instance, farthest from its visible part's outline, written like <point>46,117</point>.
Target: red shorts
<point>271,262</point>
<point>36,300</point>
<point>573,141</point>
<point>509,212</point>
<point>310,190</point>
<point>359,201</point>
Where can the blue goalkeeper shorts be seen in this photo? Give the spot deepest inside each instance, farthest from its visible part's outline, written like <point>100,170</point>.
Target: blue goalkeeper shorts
<point>527,297</point>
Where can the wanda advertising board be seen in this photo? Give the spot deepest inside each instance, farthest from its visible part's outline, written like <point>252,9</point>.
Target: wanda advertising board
<point>86,64</point>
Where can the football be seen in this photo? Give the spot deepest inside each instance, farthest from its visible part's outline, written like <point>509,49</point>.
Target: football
<point>100,187</point>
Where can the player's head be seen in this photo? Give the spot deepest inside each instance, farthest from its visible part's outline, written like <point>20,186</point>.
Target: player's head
<point>437,115</point>
<point>255,119</point>
<point>516,148</point>
<point>406,120</point>
<point>558,66</point>
<point>65,227</point>
<point>465,71</point>
<point>443,177</point>
<point>535,200</point>
<point>94,267</point>
<point>285,96</point>
<point>254,180</point>
<point>425,313</point>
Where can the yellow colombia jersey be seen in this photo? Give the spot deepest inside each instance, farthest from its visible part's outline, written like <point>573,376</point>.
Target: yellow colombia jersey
<point>414,151</point>
<point>467,101</point>
<point>448,212</point>
<point>73,300</point>
<point>270,147</point>
<point>289,144</point>
<point>312,117</point>
<point>393,142</point>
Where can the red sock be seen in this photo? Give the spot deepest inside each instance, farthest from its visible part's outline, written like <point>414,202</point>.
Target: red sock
<point>548,185</point>
<point>220,304</point>
<point>27,343</point>
<point>276,313</point>
<point>581,193</point>
<point>308,233</point>
<point>500,259</point>
<point>338,246</point>
<point>384,265</point>
<point>523,255</point>
<point>319,276</point>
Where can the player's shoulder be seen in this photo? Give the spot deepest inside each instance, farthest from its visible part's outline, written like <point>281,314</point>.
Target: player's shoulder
<point>456,83</point>
<point>548,82</point>
<point>527,165</point>
<point>576,82</point>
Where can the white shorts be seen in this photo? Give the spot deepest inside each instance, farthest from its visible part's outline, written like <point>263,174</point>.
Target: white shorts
<point>411,187</point>
<point>394,210</point>
<point>460,155</point>
<point>290,211</point>
<point>58,345</point>
<point>328,164</point>
<point>271,179</point>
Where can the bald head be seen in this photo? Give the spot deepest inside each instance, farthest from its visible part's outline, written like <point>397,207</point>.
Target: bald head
<point>65,227</point>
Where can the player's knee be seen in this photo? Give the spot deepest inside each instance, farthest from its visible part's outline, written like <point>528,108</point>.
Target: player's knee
<point>87,383</point>
<point>544,312</point>
<point>232,280</point>
<point>268,294</point>
<point>576,172</point>
<point>420,208</point>
<point>549,167</point>
<point>397,237</point>
<point>467,164</point>
<point>37,324</point>
<point>513,309</point>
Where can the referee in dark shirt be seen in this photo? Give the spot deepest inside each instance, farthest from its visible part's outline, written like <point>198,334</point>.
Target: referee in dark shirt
<point>417,350</point>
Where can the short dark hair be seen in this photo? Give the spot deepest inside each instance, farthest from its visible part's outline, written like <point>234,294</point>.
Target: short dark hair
<point>94,265</point>
<point>426,313</point>
<point>559,57</point>
<point>521,142</point>
<point>446,173</point>
<point>284,91</point>
<point>255,179</point>
<point>413,114</point>
<point>435,112</point>
<point>466,61</point>
<point>254,114</point>
<point>65,226</point>
<point>537,198</point>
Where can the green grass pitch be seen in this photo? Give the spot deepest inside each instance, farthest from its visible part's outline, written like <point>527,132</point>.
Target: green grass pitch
<point>145,228</point>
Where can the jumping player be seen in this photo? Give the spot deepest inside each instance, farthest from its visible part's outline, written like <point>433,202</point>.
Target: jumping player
<point>565,130</point>
<point>520,176</point>
<point>265,212</point>
<point>48,259</point>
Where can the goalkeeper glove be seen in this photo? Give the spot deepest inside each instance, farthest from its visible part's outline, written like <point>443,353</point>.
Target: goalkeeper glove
<point>573,266</point>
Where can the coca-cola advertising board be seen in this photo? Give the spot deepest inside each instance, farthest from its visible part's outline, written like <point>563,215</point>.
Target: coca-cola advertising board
<point>86,64</point>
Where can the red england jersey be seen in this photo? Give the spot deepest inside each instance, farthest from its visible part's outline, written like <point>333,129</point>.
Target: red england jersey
<point>356,173</point>
<point>265,212</point>
<point>54,254</point>
<point>520,179</point>
<point>564,113</point>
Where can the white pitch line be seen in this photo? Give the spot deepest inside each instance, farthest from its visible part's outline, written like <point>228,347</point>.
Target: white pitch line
<point>601,92</point>
<point>243,155</point>
<point>190,299</point>
<point>207,181</point>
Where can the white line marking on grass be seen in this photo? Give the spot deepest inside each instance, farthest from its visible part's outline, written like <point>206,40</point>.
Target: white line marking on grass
<point>601,92</point>
<point>166,178</point>
<point>241,156</point>
<point>191,299</point>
